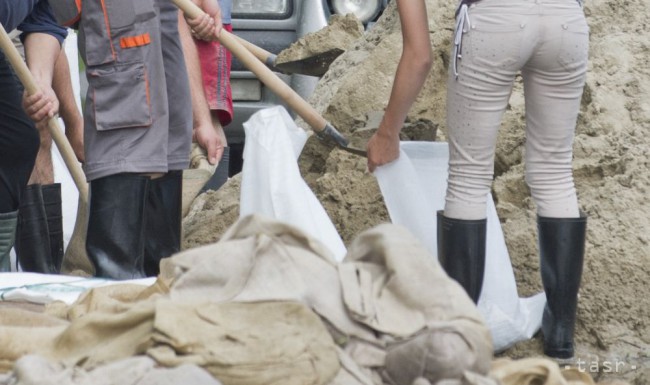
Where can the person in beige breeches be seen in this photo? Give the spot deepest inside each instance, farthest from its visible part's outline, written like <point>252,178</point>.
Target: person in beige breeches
<point>546,41</point>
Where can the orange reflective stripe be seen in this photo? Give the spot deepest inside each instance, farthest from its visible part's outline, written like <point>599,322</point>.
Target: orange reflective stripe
<point>135,41</point>
<point>108,29</point>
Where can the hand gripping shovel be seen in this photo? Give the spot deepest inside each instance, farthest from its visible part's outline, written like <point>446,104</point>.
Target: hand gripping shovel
<point>76,248</point>
<point>321,127</point>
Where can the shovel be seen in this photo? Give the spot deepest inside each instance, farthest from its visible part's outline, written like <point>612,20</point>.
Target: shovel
<point>316,65</point>
<point>321,127</point>
<point>76,248</point>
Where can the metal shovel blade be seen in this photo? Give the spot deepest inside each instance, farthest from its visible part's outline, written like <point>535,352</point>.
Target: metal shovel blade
<point>316,65</point>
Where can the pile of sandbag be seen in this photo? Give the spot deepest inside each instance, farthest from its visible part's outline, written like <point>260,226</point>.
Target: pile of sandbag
<point>267,305</point>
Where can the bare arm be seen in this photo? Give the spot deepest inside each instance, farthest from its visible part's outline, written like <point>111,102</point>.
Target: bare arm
<point>62,85</point>
<point>41,52</point>
<point>412,71</point>
<point>205,134</point>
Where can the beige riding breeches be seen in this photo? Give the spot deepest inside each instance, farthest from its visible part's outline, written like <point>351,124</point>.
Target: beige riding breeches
<point>547,42</point>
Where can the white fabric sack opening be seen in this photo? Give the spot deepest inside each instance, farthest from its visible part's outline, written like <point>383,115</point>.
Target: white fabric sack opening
<point>414,188</point>
<point>271,182</point>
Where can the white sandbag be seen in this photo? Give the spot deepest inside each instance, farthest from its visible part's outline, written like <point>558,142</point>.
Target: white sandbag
<point>46,288</point>
<point>414,189</point>
<point>271,181</point>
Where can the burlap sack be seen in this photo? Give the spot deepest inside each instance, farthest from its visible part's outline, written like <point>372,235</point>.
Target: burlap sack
<point>392,284</point>
<point>35,370</point>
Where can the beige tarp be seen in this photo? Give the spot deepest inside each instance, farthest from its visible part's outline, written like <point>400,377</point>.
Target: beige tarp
<point>268,305</point>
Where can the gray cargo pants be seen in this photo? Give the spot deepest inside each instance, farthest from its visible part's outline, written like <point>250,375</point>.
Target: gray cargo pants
<point>138,115</point>
<point>547,40</point>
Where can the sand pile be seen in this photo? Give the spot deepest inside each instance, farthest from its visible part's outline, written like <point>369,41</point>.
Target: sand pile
<point>331,41</point>
<point>611,171</point>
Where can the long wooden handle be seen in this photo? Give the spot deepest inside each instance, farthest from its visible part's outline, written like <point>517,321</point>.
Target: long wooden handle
<point>260,53</point>
<point>59,138</point>
<point>263,73</point>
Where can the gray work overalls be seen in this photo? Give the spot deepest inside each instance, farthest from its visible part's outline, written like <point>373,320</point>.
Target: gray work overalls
<point>137,114</point>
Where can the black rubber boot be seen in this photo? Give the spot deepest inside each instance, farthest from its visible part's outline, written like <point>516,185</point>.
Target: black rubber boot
<point>33,250</point>
<point>53,212</point>
<point>561,247</point>
<point>461,251</point>
<point>163,228</point>
<point>8,222</point>
<point>116,223</point>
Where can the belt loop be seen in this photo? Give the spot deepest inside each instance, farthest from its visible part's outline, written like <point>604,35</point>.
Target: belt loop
<point>462,18</point>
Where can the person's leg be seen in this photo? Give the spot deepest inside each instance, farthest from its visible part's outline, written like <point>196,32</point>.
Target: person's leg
<point>125,130</point>
<point>477,97</point>
<point>33,250</point>
<point>554,81</point>
<point>163,226</point>
<point>39,238</point>
<point>163,208</point>
<point>18,148</point>
<point>116,225</point>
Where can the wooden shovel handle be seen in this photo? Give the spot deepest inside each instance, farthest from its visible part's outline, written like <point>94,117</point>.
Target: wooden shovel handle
<point>59,138</point>
<point>263,55</point>
<point>263,73</point>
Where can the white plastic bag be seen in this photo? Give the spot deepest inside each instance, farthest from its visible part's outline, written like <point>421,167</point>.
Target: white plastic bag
<point>271,181</point>
<point>414,189</point>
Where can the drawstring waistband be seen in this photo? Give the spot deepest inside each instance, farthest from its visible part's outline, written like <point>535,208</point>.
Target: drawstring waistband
<point>462,18</point>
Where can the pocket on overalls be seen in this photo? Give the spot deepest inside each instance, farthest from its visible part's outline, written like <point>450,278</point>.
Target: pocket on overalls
<point>494,40</point>
<point>574,48</point>
<point>106,22</point>
<point>120,97</point>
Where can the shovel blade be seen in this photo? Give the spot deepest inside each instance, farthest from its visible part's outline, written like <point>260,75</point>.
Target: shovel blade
<point>316,65</point>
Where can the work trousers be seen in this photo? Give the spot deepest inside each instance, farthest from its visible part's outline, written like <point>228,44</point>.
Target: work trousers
<point>547,42</point>
<point>18,140</point>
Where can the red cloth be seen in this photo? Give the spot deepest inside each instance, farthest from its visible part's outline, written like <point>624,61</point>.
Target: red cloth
<point>215,68</point>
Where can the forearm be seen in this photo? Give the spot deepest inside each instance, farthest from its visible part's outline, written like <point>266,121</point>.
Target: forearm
<point>413,67</point>
<point>62,86</point>
<point>200,110</point>
<point>41,52</point>
<point>409,80</point>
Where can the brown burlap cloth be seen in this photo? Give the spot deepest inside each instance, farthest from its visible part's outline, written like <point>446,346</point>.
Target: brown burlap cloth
<point>268,305</point>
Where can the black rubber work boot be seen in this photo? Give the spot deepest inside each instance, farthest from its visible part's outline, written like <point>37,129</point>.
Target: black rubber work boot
<point>33,251</point>
<point>8,222</point>
<point>461,251</point>
<point>163,228</point>
<point>52,203</point>
<point>116,223</point>
<point>561,248</point>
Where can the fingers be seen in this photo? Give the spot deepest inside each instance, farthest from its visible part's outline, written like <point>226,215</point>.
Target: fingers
<point>203,27</point>
<point>371,165</point>
<point>38,106</point>
<point>215,151</point>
